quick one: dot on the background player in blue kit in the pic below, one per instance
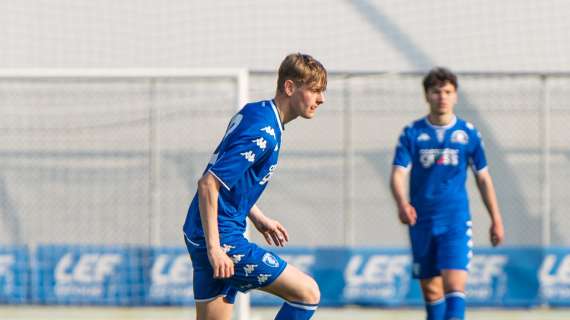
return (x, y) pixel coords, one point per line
(436, 151)
(224, 260)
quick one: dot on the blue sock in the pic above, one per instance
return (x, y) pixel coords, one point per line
(296, 311)
(436, 309)
(455, 306)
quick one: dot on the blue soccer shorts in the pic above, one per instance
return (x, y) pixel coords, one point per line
(435, 248)
(254, 267)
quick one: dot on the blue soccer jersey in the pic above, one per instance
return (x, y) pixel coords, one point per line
(438, 157)
(243, 162)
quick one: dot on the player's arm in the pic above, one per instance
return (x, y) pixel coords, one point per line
(406, 212)
(208, 192)
(487, 190)
(273, 232)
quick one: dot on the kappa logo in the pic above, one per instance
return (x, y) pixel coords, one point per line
(423, 137)
(269, 174)
(260, 142)
(249, 269)
(269, 130)
(459, 136)
(270, 260)
(262, 278)
(249, 156)
(227, 248)
(236, 258)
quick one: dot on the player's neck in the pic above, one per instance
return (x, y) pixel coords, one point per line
(284, 109)
(440, 119)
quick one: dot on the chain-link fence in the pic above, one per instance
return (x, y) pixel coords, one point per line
(78, 156)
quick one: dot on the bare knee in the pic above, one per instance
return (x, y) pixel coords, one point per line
(432, 289)
(311, 294)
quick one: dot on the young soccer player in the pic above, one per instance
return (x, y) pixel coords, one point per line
(224, 261)
(436, 151)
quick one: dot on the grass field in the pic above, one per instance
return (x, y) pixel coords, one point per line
(151, 313)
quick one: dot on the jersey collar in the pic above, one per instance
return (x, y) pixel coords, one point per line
(447, 126)
(281, 127)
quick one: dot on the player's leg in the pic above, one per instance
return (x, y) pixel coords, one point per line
(214, 309)
(432, 289)
(454, 255)
(454, 283)
(300, 292)
(214, 298)
(425, 269)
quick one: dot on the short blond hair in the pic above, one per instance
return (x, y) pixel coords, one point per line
(302, 69)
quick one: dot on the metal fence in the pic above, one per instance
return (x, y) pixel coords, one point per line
(78, 155)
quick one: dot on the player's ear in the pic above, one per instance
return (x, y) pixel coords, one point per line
(289, 87)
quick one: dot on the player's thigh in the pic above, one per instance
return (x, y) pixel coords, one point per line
(432, 288)
(294, 285)
(424, 252)
(215, 309)
(454, 280)
(455, 248)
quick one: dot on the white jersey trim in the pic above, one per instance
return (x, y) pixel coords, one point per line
(210, 299)
(456, 294)
(406, 168)
(447, 126)
(301, 306)
(274, 107)
(485, 168)
(191, 242)
(218, 178)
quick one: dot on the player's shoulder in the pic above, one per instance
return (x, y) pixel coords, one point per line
(414, 127)
(469, 127)
(259, 119)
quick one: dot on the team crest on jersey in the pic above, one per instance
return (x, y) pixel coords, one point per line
(423, 137)
(460, 136)
(270, 260)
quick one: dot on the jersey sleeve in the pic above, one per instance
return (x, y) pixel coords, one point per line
(240, 151)
(403, 153)
(478, 159)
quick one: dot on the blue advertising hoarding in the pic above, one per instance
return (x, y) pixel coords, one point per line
(88, 275)
(111, 275)
(170, 277)
(14, 274)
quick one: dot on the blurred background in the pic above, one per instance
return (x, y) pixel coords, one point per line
(110, 110)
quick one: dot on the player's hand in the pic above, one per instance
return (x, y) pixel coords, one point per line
(497, 233)
(221, 263)
(273, 232)
(407, 214)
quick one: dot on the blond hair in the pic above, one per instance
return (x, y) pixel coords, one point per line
(302, 69)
